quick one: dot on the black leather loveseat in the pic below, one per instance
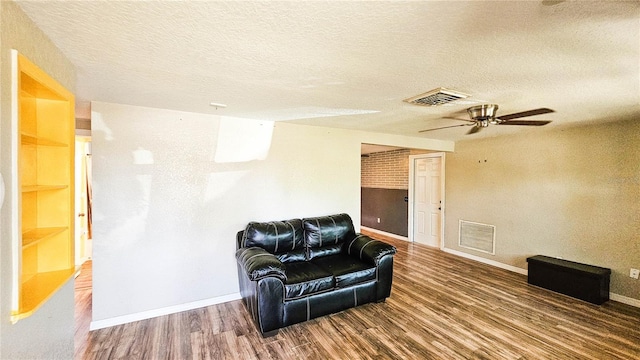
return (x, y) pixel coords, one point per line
(295, 270)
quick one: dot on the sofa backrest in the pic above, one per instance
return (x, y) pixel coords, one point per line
(282, 238)
(325, 235)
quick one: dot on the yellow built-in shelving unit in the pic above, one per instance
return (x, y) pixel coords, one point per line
(44, 240)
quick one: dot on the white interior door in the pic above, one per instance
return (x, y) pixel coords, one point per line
(427, 200)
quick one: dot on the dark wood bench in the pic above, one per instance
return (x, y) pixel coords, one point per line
(585, 282)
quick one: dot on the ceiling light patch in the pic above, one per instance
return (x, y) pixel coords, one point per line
(435, 97)
(232, 146)
(218, 105)
(308, 112)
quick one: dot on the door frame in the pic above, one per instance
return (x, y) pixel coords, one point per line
(412, 161)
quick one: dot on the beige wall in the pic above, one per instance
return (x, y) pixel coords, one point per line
(572, 193)
(166, 210)
(47, 334)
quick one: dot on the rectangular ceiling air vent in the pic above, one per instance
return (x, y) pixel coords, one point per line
(436, 97)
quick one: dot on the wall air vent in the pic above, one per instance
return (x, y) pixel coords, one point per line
(477, 236)
(436, 97)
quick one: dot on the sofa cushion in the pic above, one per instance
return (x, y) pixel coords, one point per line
(346, 269)
(324, 231)
(292, 256)
(305, 278)
(276, 237)
(328, 250)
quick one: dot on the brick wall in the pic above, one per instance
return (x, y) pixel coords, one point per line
(386, 170)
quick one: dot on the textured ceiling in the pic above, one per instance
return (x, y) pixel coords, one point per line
(350, 64)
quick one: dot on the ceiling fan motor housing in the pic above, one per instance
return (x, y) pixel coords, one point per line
(484, 113)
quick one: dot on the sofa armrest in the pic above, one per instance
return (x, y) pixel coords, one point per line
(258, 263)
(368, 249)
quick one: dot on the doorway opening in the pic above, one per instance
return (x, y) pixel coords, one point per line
(386, 189)
(83, 291)
(83, 199)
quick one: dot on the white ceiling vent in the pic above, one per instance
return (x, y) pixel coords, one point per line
(436, 97)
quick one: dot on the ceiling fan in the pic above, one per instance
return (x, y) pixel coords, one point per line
(483, 115)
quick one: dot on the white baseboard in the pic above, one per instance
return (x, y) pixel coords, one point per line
(384, 233)
(625, 300)
(119, 320)
(612, 296)
(487, 261)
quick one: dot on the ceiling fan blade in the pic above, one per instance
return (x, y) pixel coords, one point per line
(525, 114)
(453, 118)
(526, 122)
(474, 130)
(444, 127)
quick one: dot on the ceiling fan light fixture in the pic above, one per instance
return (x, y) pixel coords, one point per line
(483, 112)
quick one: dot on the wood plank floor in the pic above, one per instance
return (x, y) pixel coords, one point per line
(83, 283)
(441, 307)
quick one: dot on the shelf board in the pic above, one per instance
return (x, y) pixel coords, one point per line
(33, 236)
(31, 139)
(33, 188)
(38, 289)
